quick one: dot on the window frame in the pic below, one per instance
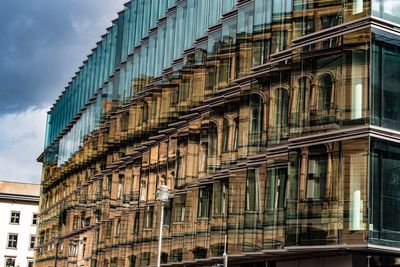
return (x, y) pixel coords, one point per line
(35, 220)
(18, 218)
(30, 242)
(8, 241)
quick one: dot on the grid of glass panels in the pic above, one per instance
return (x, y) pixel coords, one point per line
(139, 46)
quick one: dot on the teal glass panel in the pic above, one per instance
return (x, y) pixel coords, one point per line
(262, 31)
(125, 43)
(228, 5)
(245, 21)
(214, 11)
(170, 39)
(143, 63)
(162, 8)
(161, 40)
(384, 191)
(139, 21)
(171, 3)
(201, 18)
(386, 9)
(151, 54)
(154, 13)
(179, 31)
(281, 15)
(385, 78)
(189, 24)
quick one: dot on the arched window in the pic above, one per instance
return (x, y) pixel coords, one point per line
(225, 135)
(325, 92)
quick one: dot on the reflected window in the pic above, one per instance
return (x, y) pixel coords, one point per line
(167, 215)
(176, 255)
(145, 112)
(145, 258)
(235, 134)
(304, 94)
(225, 135)
(317, 172)
(203, 158)
(281, 106)
(325, 92)
(276, 188)
(132, 261)
(136, 220)
(385, 187)
(148, 217)
(220, 197)
(179, 209)
(212, 145)
(120, 186)
(252, 190)
(256, 114)
(204, 202)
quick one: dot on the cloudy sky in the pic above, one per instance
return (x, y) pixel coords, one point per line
(42, 44)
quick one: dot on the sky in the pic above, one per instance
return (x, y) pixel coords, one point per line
(42, 44)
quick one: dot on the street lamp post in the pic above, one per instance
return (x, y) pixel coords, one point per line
(162, 197)
(225, 255)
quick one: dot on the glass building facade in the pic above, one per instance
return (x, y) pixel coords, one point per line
(274, 124)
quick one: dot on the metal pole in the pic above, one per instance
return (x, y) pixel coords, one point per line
(225, 255)
(160, 234)
(56, 257)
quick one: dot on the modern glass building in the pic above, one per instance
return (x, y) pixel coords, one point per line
(275, 123)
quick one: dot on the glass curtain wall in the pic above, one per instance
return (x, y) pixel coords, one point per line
(384, 80)
(385, 185)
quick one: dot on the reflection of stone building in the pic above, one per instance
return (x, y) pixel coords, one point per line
(275, 123)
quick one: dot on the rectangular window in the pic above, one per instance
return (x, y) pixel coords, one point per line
(220, 192)
(118, 228)
(73, 248)
(109, 184)
(108, 229)
(30, 263)
(120, 185)
(167, 215)
(75, 222)
(35, 219)
(136, 221)
(148, 217)
(252, 190)
(384, 188)
(204, 202)
(179, 209)
(316, 178)
(15, 217)
(32, 241)
(276, 188)
(145, 259)
(10, 261)
(12, 241)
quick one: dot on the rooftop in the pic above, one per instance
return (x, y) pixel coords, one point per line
(19, 189)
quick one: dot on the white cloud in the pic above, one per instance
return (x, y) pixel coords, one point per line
(21, 142)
